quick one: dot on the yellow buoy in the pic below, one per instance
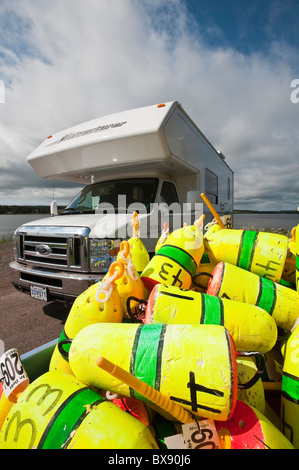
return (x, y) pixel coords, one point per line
(281, 302)
(289, 270)
(251, 327)
(290, 389)
(176, 261)
(57, 411)
(99, 303)
(145, 390)
(203, 357)
(260, 252)
(255, 394)
(211, 228)
(140, 256)
(129, 284)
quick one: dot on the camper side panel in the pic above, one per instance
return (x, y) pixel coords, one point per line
(187, 143)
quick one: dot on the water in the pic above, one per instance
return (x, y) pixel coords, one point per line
(258, 221)
(10, 222)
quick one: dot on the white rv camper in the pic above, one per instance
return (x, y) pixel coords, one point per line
(153, 159)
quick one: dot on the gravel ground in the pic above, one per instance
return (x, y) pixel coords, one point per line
(25, 323)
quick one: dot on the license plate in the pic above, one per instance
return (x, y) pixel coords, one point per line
(39, 293)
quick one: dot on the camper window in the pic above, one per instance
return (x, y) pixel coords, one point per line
(228, 189)
(211, 186)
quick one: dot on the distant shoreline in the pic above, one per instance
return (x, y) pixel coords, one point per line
(17, 210)
(248, 211)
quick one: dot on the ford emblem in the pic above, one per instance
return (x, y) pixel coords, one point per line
(43, 250)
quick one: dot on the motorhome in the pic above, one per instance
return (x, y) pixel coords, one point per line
(153, 160)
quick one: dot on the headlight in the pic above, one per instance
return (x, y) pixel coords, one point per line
(103, 251)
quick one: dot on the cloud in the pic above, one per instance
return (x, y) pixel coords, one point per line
(71, 61)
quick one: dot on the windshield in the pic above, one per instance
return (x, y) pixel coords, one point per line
(139, 190)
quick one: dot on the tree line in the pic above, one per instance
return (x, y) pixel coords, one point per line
(46, 210)
(26, 209)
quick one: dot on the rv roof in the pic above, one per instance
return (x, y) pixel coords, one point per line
(158, 138)
(111, 127)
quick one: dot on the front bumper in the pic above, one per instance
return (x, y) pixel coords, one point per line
(60, 285)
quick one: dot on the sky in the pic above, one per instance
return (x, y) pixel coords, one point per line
(233, 65)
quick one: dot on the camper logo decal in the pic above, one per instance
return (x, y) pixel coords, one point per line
(74, 135)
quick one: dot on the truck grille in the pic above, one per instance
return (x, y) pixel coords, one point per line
(60, 247)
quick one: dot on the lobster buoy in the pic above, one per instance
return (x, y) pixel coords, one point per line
(251, 328)
(140, 256)
(248, 428)
(289, 270)
(203, 357)
(129, 284)
(297, 256)
(211, 228)
(255, 394)
(99, 303)
(57, 411)
(281, 302)
(176, 261)
(260, 252)
(290, 389)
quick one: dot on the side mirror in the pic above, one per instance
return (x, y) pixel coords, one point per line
(53, 209)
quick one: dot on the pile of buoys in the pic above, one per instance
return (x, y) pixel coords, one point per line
(197, 347)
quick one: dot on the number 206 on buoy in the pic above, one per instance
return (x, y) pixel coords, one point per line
(12, 372)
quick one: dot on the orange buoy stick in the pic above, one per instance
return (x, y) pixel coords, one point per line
(145, 390)
(215, 214)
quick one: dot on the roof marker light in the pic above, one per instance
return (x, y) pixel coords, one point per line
(161, 105)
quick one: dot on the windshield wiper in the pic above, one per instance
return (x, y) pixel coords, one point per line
(71, 210)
